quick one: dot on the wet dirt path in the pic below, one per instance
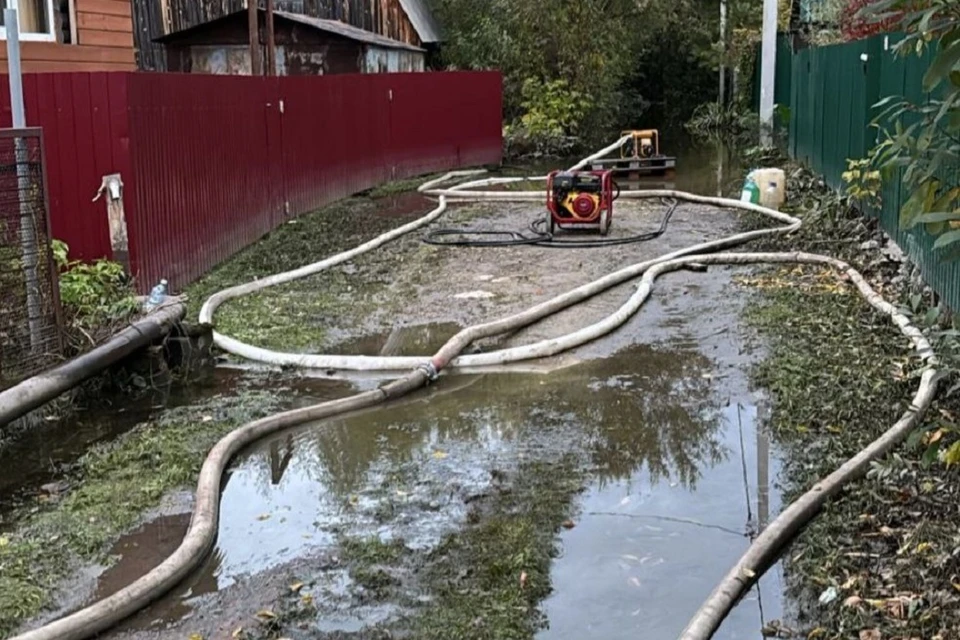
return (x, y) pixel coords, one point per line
(658, 419)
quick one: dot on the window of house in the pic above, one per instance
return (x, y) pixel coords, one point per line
(40, 19)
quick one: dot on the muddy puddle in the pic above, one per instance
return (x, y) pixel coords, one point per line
(35, 459)
(402, 205)
(406, 340)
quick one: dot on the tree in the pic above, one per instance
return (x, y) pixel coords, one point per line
(613, 60)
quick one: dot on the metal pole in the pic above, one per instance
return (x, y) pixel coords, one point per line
(13, 68)
(28, 231)
(768, 71)
(253, 18)
(271, 42)
(723, 52)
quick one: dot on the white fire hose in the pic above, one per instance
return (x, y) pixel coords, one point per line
(201, 535)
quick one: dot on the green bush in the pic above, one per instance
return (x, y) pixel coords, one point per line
(93, 295)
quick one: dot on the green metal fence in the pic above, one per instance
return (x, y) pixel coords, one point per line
(831, 97)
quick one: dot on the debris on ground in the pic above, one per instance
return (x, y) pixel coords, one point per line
(881, 560)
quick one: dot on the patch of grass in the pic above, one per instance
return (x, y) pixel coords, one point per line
(399, 186)
(370, 551)
(489, 580)
(297, 316)
(483, 582)
(116, 485)
(301, 241)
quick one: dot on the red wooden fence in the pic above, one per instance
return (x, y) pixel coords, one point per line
(212, 163)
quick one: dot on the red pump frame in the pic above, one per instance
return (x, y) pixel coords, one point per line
(601, 220)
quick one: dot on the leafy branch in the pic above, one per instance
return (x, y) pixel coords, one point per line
(923, 140)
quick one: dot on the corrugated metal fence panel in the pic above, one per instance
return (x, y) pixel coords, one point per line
(834, 91)
(201, 157)
(212, 163)
(85, 139)
(782, 78)
(220, 161)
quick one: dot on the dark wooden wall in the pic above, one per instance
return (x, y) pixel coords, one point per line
(155, 18)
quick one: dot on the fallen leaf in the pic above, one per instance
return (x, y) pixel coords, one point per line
(568, 524)
(439, 455)
(523, 579)
(237, 632)
(870, 634)
(196, 636)
(307, 600)
(924, 546)
(296, 586)
(4, 541)
(816, 633)
(853, 601)
(266, 614)
(849, 583)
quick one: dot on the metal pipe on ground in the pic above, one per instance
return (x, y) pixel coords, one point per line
(33, 393)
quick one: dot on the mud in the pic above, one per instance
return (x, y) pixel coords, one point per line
(670, 474)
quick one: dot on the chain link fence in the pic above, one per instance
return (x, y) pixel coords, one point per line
(30, 329)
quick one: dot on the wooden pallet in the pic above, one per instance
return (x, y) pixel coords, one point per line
(662, 165)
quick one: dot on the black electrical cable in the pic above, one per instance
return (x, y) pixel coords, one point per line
(542, 238)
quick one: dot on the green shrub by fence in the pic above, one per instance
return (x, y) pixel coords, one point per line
(830, 95)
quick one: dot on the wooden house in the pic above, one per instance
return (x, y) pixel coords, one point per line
(406, 21)
(73, 35)
(304, 46)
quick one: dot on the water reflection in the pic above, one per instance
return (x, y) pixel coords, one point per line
(643, 409)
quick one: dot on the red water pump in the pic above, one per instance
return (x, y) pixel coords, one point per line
(580, 200)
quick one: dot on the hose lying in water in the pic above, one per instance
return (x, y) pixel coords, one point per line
(201, 534)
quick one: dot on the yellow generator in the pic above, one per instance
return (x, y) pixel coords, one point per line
(640, 144)
(639, 155)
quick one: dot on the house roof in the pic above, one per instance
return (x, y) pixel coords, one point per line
(422, 20)
(327, 26)
(347, 31)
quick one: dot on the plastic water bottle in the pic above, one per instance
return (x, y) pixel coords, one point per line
(751, 191)
(157, 295)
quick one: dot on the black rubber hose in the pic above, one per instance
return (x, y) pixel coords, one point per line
(541, 238)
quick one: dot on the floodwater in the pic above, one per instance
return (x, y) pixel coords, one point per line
(660, 414)
(680, 476)
(43, 454)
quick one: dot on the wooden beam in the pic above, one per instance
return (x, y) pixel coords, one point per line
(72, 15)
(253, 19)
(97, 38)
(104, 22)
(69, 53)
(106, 7)
(271, 42)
